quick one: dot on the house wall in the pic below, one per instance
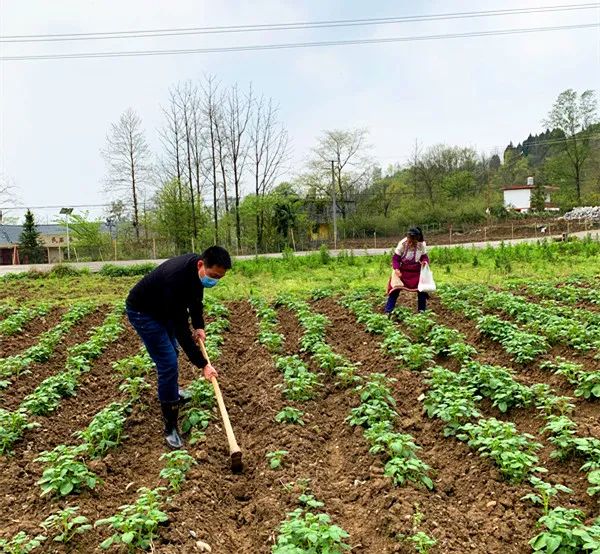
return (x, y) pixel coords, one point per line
(6, 255)
(54, 254)
(519, 199)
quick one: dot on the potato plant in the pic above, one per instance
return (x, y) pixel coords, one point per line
(65, 471)
(66, 524)
(105, 431)
(299, 383)
(267, 316)
(413, 354)
(13, 366)
(276, 457)
(513, 453)
(197, 414)
(177, 464)
(135, 526)
(544, 492)
(566, 532)
(290, 415)
(21, 543)
(376, 415)
(15, 322)
(576, 328)
(12, 427)
(307, 531)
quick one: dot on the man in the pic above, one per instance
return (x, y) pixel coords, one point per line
(160, 306)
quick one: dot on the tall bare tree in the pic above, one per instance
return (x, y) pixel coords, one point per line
(187, 101)
(236, 118)
(268, 153)
(211, 113)
(574, 115)
(352, 168)
(127, 156)
(171, 137)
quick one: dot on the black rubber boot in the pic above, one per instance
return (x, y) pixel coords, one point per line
(170, 411)
(422, 301)
(184, 396)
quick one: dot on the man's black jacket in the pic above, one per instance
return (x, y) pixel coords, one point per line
(171, 294)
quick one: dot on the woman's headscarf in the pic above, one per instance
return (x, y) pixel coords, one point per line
(416, 233)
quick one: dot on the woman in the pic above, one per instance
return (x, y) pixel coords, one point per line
(408, 259)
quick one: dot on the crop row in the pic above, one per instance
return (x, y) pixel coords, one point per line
(307, 528)
(523, 346)
(15, 322)
(376, 411)
(134, 526)
(576, 328)
(12, 366)
(453, 397)
(565, 293)
(48, 394)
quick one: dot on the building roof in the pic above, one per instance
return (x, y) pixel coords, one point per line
(528, 187)
(10, 234)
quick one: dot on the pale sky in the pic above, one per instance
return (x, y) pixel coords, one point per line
(481, 92)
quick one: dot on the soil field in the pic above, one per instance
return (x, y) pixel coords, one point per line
(471, 508)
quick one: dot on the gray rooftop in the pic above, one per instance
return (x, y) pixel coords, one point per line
(10, 234)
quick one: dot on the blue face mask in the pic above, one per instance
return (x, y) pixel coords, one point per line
(209, 282)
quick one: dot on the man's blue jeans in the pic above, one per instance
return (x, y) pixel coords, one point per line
(160, 343)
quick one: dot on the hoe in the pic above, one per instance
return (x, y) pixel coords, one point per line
(234, 450)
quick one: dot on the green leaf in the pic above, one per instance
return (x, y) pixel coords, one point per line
(105, 545)
(127, 538)
(66, 488)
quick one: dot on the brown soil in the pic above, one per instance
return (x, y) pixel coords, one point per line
(123, 470)
(10, 345)
(325, 450)
(528, 420)
(25, 383)
(471, 509)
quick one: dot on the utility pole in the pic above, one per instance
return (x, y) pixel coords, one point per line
(333, 205)
(67, 212)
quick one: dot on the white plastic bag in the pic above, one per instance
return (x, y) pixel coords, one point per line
(426, 282)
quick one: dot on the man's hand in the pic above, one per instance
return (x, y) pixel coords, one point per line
(210, 372)
(199, 334)
(398, 273)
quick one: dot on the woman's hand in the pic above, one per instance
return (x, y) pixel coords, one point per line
(423, 263)
(398, 273)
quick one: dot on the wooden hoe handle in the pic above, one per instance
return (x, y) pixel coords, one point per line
(233, 445)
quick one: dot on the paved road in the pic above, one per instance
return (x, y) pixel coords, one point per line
(96, 266)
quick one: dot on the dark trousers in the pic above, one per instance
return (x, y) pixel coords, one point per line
(393, 297)
(161, 345)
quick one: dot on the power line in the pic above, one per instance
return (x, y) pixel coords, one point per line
(292, 45)
(149, 33)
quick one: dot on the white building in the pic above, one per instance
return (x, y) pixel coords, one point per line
(518, 197)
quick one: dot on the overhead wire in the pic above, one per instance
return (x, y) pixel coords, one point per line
(281, 46)
(305, 25)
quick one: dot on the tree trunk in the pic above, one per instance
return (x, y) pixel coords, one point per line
(136, 221)
(214, 175)
(190, 176)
